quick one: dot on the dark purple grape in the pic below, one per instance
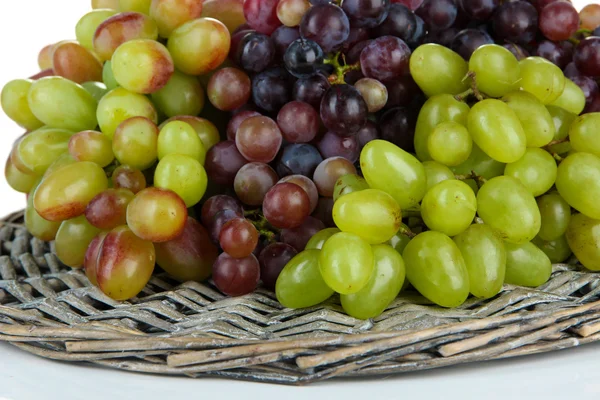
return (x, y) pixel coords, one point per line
(311, 90)
(480, 10)
(324, 211)
(351, 77)
(356, 35)
(256, 52)
(332, 145)
(443, 38)
(272, 89)
(587, 57)
(518, 51)
(219, 203)
(219, 220)
(366, 134)
(400, 22)
(223, 161)
(299, 237)
(396, 126)
(571, 70)
(469, 40)
(298, 159)
(326, 24)
(343, 110)
(236, 41)
(559, 53)
(367, 13)
(299, 122)
(236, 276)
(273, 259)
(419, 34)
(401, 91)
(594, 105)
(286, 205)
(438, 14)
(319, 2)
(516, 22)
(588, 86)
(282, 38)
(385, 58)
(353, 55)
(303, 57)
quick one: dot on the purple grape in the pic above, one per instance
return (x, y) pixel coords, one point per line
(324, 211)
(253, 181)
(443, 38)
(216, 225)
(256, 52)
(299, 237)
(303, 57)
(353, 55)
(356, 35)
(367, 13)
(516, 22)
(571, 70)
(587, 57)
(319, 2)
(385, 58)
(298, 159)
(326, 24)
(273, 259)
(559, 53)
(272, 89)
(282, 38)
(223, 161)
(588, 86)
(419, 34)
(311, 90)
(367, 133)
(480, 10)
(401, 91)
(343, 110)
(332, 145)
(299, 122)
(219, 203)
(518, 51)
(469, 40)
(400, 22)
(438, 14)
(397, 127)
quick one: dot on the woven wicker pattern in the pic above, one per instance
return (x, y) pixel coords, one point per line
(191, 329)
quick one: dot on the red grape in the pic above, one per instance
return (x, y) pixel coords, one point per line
(223, 161)
(559, 21)
(219, 203)
(253, 181)
(236, 121)
(108, 209)
(125, 177)
(228, 89)
(236, 276)
(329, 171)
(238, 238)
(299, 122)
(286, 205)
(308, 185)
(261, 15)
(258, 139)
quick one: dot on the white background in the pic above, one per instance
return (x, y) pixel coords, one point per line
(28, 25)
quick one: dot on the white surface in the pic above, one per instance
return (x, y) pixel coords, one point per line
(28, 25)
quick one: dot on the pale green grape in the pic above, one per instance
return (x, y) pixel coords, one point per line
(562, 122)
(583, 133)
(86, 27)
(556, 214)
(141, 6)
(182, 95)
(62, 161)
(39, 227)
(437, 109)
(480, 163)
(300, 283)
(108, 77)
(400, 239)
(387, 167)
(383, 287)
(436, 173)
(536, 170)
(72, 240)
(509, 208)
(578, 182)
(318, 240)
(435, 267)
(583, 236)
(348, 184)
(208, 132)
(526, 265)
(572, 98)
(96, 89)
(496, 70)
(557, 250)
(180, 138)
(542, 79)
(15, 105)
(496, 129)
(534, 117)
(135, 143)
(438, 70)
(346, 263)
(485, 258)
(449, 207)
(371, 214)
(39, 149)
(182, 174)
(19, 181)
(119, 105)
(450, 144)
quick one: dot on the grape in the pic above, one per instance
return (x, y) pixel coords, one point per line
(286, 205)
(45, 55)
(572, 98)
(86, 27)
(76, 63)
(299, 159)
(66, 192)
(385, 58)
(348, 184)
(558, 250)
(374, 92)
(135, 143)
(108, 77)
(557, 53)
(396, 172)
(253, 181)
(556, 215)
(90, 261)
(238, 238)
(588, 86)
(290, 12)
(236, 276)
(469, 40)
(182, 95)
(518, 51)
(258, 139)
(346, 263)
(299, 122)
(282, 38)
(418, 35)
(536, 170)
(303, 57)
(562, 120)
(17, 180)
(329, 171)
(177, 137)
(449, 207)
(411, 4)
(436, 173)
(357, 35)
(300, 284)
(438, 70)
(15, 105)
(436, 268)
(582, 237)
(72, 240)
(273, 259)
(271, 89)
(401, 92)
(119, 105)
(509, 209)
(324, 211)
(125, 264)
(450, 143)
(107, 210)
(236, 121)
(400, 22)
(326, 24)
(170, 14)
(91, 146)
(582, 134)
(578, 182)
(38, 226)
(125, 177)
(121, 28)
(480, 10)
(367, 13)
(481, 164)
(496, 70)
(542, 79)
(318, 240)
(255, 52)
(343, 110)
(199, 46)
(223, 161)
(219, 220)
(219, 203)
(298, 237)
(438, 14)
(141, 6)
(183, 175)
(229, 12)
(590, 16)
(261, 15)
(526, 265)
(332, 145)
(311, 90)
(308, 185)
(157, 215)
(515, 22)
(366, 134)
(229, 89)
(559, 21)
(400, 239)
(190, 256)
(534, 117)
(39, 149)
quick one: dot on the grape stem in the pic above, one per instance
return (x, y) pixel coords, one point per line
(464, 95)
(558, 158)
(341, 69)
(471, 75)
(404, 230)
(555, 142)
(479, 180)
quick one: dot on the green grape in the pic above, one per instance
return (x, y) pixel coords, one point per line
(91, 146)
(583, 236)
(318, 240)
(526, 265)
(184, 175)
(383, 286)
(141, 6)
(119, 105)
(542, 79)
(437, 109)
(449, 207)
(572, 98)
(96, 89)
(437, 173)
(480, 163)
(450, 144)
(19, 181)
(39, 227)
(435, 267)
(122, 28)
(370, 214)
(509, 208)
(61, 103)
(400, 239)
(557, 250)
(182, 95)
(346, 263)
(108, 77)
(438, 70)
(39, 149)
(583, 133)
(496, 70)
(485, 258)
(578, 182)
(562, 123)
(556, 214)
(72, 240)
(348, 184)
(169, 14)
(536, 170)
(387, 167)
(180, 138)
(87, 25)
(534, 117)
(135, 143)
(496, 129)
(142, 65)
(66, 192)
(300, 284)
(208, 132)
(62, 160)
(15, 105)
